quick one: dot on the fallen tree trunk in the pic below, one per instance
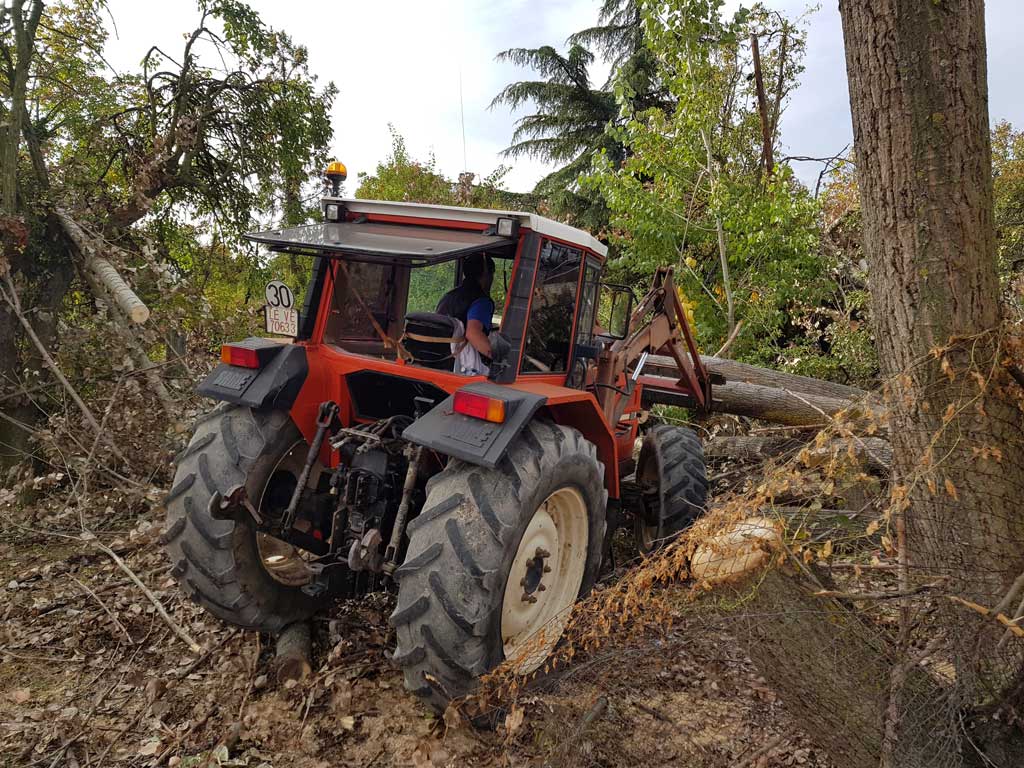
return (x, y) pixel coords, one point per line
(801, 637)
(795, 409)
(659, 365)
(750, 447)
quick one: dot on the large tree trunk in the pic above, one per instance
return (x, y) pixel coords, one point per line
(919, 101)
(24, 23)
(918, 93)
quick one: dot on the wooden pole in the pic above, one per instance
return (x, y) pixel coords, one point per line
(767, 154)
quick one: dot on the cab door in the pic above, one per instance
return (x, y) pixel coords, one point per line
(587, 346)
(552, 312)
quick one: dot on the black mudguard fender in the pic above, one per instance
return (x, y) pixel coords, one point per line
(471, 439)
(272, 386)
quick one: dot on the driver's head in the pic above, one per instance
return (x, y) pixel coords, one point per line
(479, 268)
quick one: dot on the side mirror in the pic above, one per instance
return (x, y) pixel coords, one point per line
(614, 309)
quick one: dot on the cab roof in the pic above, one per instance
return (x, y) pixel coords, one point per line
(537, 223)
(382, 242)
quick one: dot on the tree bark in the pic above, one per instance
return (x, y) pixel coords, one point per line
(874, 453)
(831, 669)
(780, 83)
(918, 93)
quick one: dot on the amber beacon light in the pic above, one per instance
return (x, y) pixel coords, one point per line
(336, 173)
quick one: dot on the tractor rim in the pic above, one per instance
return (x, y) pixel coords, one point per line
(646, 534)
(283, 562)
(545, 579)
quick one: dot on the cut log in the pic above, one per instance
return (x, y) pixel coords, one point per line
(292, 656)
(129, 304)
(659, 365)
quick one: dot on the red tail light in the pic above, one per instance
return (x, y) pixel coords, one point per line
(240, 356)
(480, 406)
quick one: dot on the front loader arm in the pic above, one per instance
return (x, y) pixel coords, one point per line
(665, 332)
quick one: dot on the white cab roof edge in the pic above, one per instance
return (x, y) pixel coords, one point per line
(538, 224)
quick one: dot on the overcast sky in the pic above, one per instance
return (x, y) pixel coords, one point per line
(400, 62)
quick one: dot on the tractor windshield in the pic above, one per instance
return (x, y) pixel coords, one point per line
(378, 272)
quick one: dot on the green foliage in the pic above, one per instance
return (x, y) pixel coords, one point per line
(572, 120)
(1008, 190)
(401, 177)
(698, 163)
(171, 164)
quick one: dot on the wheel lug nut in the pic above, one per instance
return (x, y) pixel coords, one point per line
(547, 569)
(529, 599)
(541, 587)
(542, 553)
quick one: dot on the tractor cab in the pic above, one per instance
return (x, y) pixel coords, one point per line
(382, 268)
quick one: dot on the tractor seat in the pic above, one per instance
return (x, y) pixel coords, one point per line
(428, 338)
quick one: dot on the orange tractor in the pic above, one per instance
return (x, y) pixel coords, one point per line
(363, 454)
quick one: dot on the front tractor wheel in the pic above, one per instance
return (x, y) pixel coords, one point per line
(496, 560)
(235, 572)
(673, 484)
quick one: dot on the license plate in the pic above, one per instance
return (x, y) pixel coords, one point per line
(282, 321)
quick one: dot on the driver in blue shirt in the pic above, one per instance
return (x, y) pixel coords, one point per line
(471, 301)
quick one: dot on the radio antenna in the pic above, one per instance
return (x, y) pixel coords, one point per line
(462, 117)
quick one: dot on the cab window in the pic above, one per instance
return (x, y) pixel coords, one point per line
(549, 328)
(348, 319)
(428, 284)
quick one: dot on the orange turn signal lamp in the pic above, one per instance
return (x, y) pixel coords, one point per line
(479, 406)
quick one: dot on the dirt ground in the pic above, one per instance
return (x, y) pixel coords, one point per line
(91, 674)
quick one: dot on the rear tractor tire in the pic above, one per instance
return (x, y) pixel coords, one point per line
(496, 560)
(673, 485)
(225, 565)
